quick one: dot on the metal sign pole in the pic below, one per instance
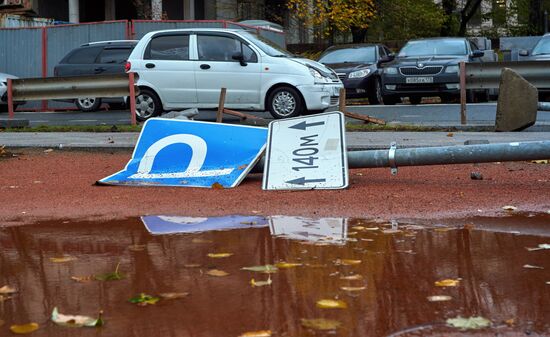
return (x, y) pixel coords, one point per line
(10, 98)
(132, 98)
(462, 68)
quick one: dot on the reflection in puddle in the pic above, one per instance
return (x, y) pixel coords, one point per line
(377, 276)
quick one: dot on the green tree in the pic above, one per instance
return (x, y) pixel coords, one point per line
(351, 16)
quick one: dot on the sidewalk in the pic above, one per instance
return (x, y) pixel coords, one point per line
(355, 140)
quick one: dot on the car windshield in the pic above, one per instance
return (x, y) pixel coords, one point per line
(434, 47)
(267, 46)
(542, 47)
(350, 55)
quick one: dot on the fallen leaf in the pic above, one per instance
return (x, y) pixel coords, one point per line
(442, 229)
(447, 283)
(137, 248)
(450, 134)
(76, 320)
(267, 269)
(261, 333)
(219, 255)
(48, 150)
(530, 266)
(371, 228)
(217, 186)
(540, 246)
(331, 304)
(217, 272)
(352, 233)
(62, 259)
(347, 262)
(469, 323)
(510, 322)
(255, 283)
(320, 324)
(24, 328)
(352, 277)
(439, 298)
(509, 208)
(192, 265)
(114, 276)
(144, 299)
(7, 290)
(541, 161)
(548, 282)
(197, 240)
(287, 265)
(352, 289)
(82, 279)
(358, 228)
(4, 298)
(173, 296)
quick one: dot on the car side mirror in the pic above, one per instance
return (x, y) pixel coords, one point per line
(387, 58)
(478, 53)
(239, 57)
(523, 52)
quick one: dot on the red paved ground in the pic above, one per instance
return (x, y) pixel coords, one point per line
(39, 185)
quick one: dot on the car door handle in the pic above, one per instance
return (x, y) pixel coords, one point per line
(149, 65)
(205, 66)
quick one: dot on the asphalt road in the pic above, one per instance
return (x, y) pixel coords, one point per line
(447, 115)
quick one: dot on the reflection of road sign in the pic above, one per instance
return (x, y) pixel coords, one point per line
(329, 230)
(195, 154)
(306, 153)
(162, 224)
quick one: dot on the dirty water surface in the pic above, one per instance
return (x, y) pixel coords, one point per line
(278, 276)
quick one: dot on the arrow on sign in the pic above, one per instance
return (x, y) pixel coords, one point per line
(303, 180)
(304, 125)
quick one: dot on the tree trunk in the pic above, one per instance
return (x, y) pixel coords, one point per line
(466, 14)
(535, 17)
(358, 34)
(449, 7)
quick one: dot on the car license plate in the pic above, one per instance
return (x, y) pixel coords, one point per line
(419, 80)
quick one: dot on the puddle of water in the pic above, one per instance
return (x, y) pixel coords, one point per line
(383, 272)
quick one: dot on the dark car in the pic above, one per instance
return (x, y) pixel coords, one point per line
(540, 52)
(106, 57)
(429, 67)
(358, 67)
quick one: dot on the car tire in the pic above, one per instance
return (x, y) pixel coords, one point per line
(390, 100)
(284, 102)
(87, 104)
(375, 94)
(147, 105)
(482, 97)
(415, 100)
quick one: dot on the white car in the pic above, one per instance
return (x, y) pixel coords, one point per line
(4, 92)
(186, 68)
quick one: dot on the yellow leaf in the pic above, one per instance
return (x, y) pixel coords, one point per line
(173, 296)
(352, 289)
(358, 228)
(371, 228)
(331, 304)
(216, 272)
(348, 262)
(542, 161)
(509, 208)
(192, 265)
(320, 324)
(286, 265)
(261, 333)
(24, 328)
(391, 231)
(62, 259)
(447, 283)
(219, 255)
(439, 298)
(217, 186)
(352, 277)
(7, 290)
(255, 283)
(82, 279)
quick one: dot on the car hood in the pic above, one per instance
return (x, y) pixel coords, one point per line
(423, 61)
(347, 67)
(4, 77)
(312, 63)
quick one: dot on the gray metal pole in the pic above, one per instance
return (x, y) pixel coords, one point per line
(444, 155)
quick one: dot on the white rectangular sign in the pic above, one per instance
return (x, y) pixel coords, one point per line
(325, 230)
(306, 153)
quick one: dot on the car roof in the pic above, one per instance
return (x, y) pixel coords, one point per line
(112, 42)
(233, 30)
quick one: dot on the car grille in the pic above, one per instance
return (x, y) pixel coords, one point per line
(334, 100)
(342, 76)
(415, 71)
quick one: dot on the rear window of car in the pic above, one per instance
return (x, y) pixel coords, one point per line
(168, 47)
(85, 55)
(114, 55)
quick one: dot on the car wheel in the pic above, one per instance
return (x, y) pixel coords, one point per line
(284, 102)
(390, 100)
(147, 105)
(375, 94)
(87, 104)
(415, 99)
(482, 97)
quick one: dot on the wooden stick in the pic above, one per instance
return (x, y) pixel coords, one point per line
(342, 100)
(365, 118)
(462, 67)
(219, 114)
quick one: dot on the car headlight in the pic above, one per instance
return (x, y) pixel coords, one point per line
(359, 73)
(317, 75)
(451, 69)
(390, 71)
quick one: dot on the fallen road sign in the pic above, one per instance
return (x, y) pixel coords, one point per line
(306, 153)
(323, 230)
(165, 224)
(192, 154)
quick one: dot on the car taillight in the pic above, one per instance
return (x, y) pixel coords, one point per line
(127, 66)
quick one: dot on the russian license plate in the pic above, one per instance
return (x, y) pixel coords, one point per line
(419, 80)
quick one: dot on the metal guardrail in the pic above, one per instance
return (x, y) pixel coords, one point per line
(487, 75)
(119, 85)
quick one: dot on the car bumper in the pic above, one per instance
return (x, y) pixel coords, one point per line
(357, 87)
(320, 96)
(443, 84)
